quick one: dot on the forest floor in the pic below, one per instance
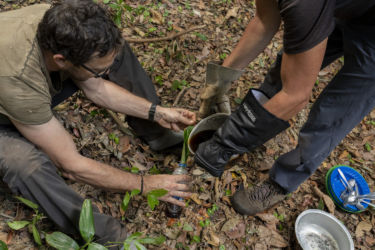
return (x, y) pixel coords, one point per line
(177, 68)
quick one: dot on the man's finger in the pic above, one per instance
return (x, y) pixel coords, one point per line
(182, 178)
(172, 200)
(180, 194)
(183, 187)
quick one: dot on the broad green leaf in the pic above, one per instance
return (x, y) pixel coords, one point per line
(152, 201)
(36, 235)
(155, 241)
(3, 246)
(86, 221)
(222, 247)
(27, 202)
(106, 1)
(17, 225)
(158, 192)
(96, 246)
(125, 202)
(135, 192)
(139, 246)
(61, 241)
(187, 228)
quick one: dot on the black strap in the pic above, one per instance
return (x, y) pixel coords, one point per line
(151, 112)
(141, 185)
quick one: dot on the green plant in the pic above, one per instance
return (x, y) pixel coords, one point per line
(3, 246)
(204, 223)
(152, 197)
(132, 169)
(114, 138)
(179, 84)
(279, 217)
(136, 240)
(201, 36)
(368, 146)
(212, 210)
(60, 240)
(119, 7)
(154, 170)
(127, 197)
(17, 225)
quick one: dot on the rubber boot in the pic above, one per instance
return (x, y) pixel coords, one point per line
(218, 81)
(257, 199)
(248, 127)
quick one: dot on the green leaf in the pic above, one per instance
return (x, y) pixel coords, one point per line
(238, 100)
(106, 1)
(139, 246)
(158, 192)
(155, 241)
(61, 241)
(134, 170)
(135, 192)
(154, 170)
(17, 225)
(222, 247)
(86, 221)
(187, 228)
(368, 147)
(3, 246)
(321, 204)
(96, 246)
(125, 202)
(28, 203)
(196, 239)
(36, 235)
(152, 201)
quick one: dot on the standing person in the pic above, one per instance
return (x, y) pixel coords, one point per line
(315, 34)
(47, 52)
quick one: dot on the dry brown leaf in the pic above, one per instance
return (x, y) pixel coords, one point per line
(214, 239)
(234, 228)
(232, 12)
(327, 200)
(362, 227)
(272, 237)
(195, 198)
(269, 219)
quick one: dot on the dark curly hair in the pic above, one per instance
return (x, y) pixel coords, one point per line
(77, 29)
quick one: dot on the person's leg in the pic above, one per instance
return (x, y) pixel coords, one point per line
(30, 173)
(341, 106)
(128, 73)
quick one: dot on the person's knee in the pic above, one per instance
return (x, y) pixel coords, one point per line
(21, 160)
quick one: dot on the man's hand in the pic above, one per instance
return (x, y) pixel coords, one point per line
(176, 185)
(174, 118)
(213, 96)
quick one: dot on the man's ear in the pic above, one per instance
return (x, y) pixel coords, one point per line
(60, 61)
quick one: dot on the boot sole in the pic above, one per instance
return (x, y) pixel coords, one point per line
(202, 163)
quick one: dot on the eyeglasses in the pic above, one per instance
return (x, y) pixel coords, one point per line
(97, 75)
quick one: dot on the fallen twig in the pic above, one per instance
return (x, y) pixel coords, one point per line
(158, 39)
(120, 124)
(179, 97)
(7, 216)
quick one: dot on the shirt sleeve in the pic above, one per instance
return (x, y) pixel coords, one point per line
(306, 23)
(23, 103)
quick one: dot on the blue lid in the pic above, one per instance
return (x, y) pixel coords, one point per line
(336, 186)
